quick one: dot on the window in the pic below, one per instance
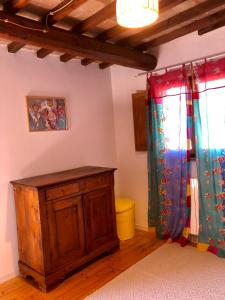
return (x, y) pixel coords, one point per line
(212, 110)
(175, 112)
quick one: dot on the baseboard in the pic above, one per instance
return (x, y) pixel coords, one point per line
(140, 227)
(8, 277)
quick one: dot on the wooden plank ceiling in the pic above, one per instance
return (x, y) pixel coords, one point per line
(87, 29)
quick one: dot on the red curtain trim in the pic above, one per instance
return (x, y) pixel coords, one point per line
(213, 250)
(210, 70)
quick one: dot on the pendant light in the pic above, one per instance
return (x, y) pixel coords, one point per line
(136, 13)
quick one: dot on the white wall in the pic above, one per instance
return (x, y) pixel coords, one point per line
(132, 166)
(89, 140)
(132, 171)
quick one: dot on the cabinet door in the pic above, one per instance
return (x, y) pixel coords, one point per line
(99, 218)
(66, 230)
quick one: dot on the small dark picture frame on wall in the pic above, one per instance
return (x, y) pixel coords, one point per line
(46, 113)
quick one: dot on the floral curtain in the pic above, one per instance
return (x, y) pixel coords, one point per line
(168, 155)
(209, 112)
(170, 136)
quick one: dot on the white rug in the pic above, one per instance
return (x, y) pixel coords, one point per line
(171, 272)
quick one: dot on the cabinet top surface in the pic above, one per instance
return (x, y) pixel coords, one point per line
(63, 176)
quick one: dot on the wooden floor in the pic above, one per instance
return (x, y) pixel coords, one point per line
(92, 277)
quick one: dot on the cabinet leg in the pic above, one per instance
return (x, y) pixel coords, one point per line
(36, 279)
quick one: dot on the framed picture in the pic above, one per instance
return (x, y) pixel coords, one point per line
(46, 113)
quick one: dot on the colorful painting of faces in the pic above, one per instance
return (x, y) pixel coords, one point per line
(46, 113)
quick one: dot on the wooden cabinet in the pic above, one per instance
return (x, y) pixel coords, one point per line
(64, 220)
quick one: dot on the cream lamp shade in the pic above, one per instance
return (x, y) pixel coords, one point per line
(136, 13)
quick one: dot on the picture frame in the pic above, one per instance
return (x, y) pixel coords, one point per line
(46, 113)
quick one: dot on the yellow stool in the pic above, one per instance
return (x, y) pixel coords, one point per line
(125, 218)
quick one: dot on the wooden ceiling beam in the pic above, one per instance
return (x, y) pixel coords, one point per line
(113, 32)
(63, 9)
(100, 16)
(86, 61)
(41, 53)
(66, 57)
(196, 25)
(212, 27)
(13, 6)
(165, 5)
(103, 66)
(15, 28)
(14, 47)
(194, 13)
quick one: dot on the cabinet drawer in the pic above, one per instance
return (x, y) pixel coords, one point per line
(63, 190)
(97, 182)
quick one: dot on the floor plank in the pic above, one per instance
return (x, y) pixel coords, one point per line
(90, 278)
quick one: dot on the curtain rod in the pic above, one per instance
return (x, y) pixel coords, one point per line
(180, 64)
